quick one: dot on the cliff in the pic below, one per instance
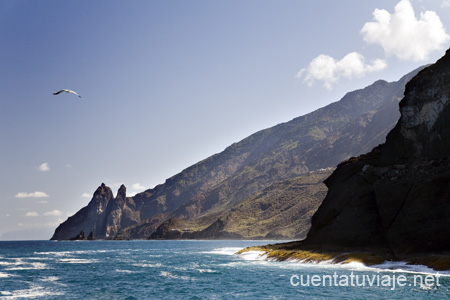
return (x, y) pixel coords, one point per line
(101, 218)
(204, 191)
(395, 200)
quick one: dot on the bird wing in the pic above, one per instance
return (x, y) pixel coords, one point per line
(58, 92)
(73, 92)
(67, 91)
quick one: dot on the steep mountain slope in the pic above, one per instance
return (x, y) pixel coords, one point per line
(395, 200)
(281, 211)
(321, 139)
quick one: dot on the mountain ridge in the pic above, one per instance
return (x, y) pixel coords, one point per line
(317, 140)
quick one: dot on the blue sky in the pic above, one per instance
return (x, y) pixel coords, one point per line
(165, 84)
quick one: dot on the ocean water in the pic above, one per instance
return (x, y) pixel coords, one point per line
(196, 270)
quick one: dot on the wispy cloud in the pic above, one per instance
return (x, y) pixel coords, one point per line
(329, 70)
(445, 3)
(86, 195)
(403, 35)
(31, 195)
(44, 167)
(32, 214)
(55, 213)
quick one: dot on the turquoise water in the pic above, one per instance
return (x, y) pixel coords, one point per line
(193, 270)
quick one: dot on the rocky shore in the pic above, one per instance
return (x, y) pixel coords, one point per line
(392, 203)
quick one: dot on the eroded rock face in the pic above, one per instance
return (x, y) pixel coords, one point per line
(423, 131)
(102, 217)
(396, 199)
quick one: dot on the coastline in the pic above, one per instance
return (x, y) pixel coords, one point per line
(276, 252)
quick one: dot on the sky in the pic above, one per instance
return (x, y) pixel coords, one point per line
(165, 84)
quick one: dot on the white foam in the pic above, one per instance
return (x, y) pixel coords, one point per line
(34, 292)
(170, 275)
(71, 253)
(77, 260)
(5, 263)
(126, 271)
(224, 251)
(29, 266)
(58, 254)
(157, 265)
(388, 266)
(254, 255)
(6, 275)
(50, 279)
(206, 271)
(404, 267)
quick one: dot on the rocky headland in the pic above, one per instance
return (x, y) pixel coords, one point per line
(392, 203)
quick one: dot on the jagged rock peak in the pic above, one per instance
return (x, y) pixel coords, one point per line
(122, 192)
(102, 189)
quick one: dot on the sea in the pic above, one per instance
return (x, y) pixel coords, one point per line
(197, 269)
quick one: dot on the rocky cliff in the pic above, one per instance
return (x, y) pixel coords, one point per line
(202, 192)
(395, 200)
(102, 218)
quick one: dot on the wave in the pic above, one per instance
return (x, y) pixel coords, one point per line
(170, 275)
(126, 271)
(71, 253)
(50, 279)
(404, 267)
(33, 292)
(6, 275)
(77, 260)
(28, 266)
(224, 251)
(387, 266)
(254, 255)
(157, 265)
(206, 271)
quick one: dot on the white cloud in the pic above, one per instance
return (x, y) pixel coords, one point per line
(445, 3)
(86, 195)
(31, 195)
(138, 187)
(329, 70)
(31, 214)
(54, 212)
(403, 35)
(44, 167)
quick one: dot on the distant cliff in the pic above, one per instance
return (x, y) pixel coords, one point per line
(204, 191)
(395, 200)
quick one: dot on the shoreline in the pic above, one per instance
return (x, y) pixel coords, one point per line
(436, 261)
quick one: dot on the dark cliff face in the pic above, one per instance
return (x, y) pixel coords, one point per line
(89, 219)
(321, 139)
(396, 199)
(102, 218)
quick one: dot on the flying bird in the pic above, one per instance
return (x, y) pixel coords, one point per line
(67, 91)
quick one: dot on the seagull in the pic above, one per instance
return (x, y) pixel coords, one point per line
(67, 91)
